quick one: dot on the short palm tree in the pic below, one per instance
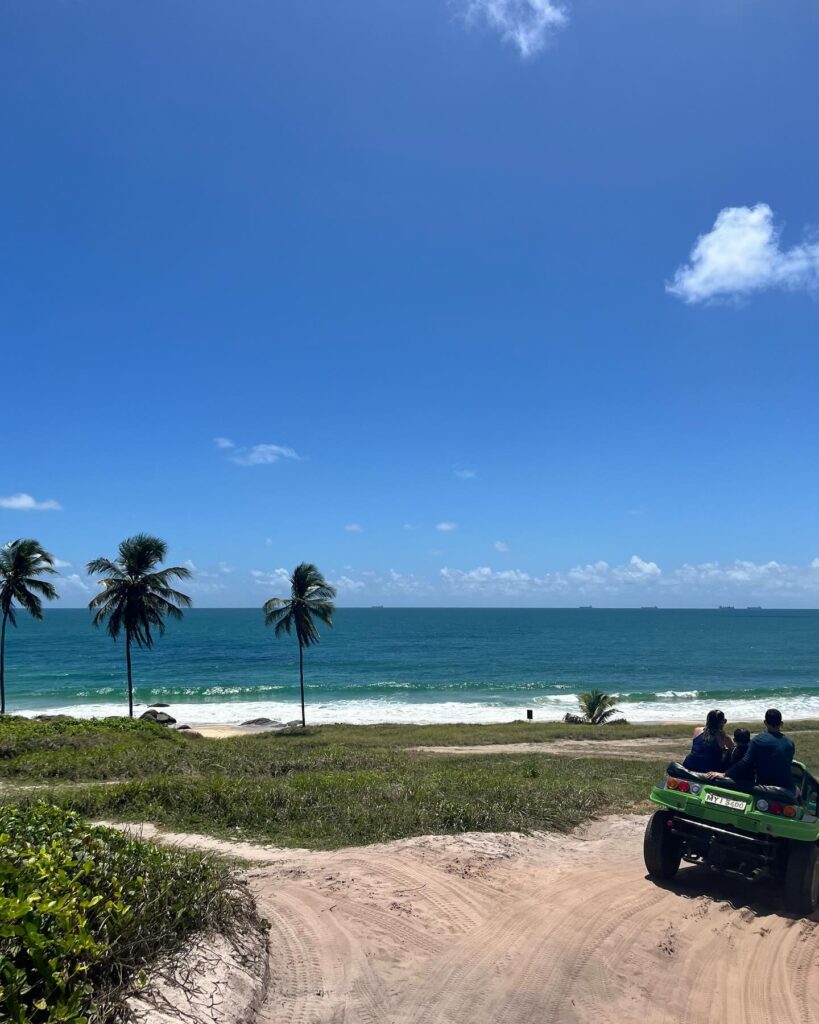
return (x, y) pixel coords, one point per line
(311, 598)
(597, 707)
(22, 562)
(137, 596)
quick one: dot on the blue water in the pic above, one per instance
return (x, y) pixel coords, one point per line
(429, 664)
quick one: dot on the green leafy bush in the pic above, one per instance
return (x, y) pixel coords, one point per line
(85, 911)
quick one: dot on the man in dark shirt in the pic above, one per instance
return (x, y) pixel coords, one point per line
(769, 757)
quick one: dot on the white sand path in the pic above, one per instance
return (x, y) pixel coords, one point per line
(510, 929)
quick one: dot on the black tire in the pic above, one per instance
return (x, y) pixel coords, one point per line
(662, 851)
(802, 878)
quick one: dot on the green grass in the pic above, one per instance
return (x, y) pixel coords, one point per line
(332, 786)
(85, 911)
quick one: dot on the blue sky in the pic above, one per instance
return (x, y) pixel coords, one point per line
(543, 274)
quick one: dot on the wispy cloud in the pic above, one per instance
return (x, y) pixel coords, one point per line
(354, 528)
(25, 503)
(502, 546)
(223, 442)
(60, 564)
(465, 474)
(278, 578)
(409, 526)
(742, 254)
(74, 582)
(347, 585)
(527, 24)
(446, 527)
(262, 455)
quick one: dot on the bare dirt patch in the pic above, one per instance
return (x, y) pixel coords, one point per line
(649, 749)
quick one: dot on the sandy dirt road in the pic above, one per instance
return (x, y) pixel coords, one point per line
(527, 930)
(631, 750)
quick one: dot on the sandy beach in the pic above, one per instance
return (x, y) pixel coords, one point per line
(521, 930)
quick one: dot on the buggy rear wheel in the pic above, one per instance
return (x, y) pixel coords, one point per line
(802, 877)
(662, 851)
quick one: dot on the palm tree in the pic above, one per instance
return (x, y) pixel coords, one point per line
(310, 596)
(597, 707)
(21, 563)
(137, 596)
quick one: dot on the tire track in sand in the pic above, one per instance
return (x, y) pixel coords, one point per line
(551, 930)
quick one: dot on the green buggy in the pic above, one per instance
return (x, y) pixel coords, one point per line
(755, 831)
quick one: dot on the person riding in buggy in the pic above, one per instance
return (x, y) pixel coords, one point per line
(757, 819)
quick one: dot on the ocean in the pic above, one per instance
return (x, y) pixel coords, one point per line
(428, 665)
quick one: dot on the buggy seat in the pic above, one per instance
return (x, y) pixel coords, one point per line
(676, 771)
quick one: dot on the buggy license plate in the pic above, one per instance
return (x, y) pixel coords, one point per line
(725, 801)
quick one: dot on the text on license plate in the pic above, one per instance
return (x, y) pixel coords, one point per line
(724, 801)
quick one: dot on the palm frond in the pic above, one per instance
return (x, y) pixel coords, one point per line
(22, 563)
(136, 596)
(597, 706)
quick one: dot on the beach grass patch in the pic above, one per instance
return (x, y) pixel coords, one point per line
(86, 912)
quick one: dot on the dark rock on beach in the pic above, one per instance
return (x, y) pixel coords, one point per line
(262, 721)
(159, 705)
(157, 716)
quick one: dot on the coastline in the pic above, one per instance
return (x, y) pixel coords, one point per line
(209, 718)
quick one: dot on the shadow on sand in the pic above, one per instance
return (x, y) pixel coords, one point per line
(762, 898)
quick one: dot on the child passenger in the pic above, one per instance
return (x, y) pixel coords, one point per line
(742, 738)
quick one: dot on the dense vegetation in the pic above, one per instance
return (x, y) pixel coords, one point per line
(85, 911)
(334, 785)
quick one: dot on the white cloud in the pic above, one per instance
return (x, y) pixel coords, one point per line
(346, 585)
(200, 586)
(223, 442)
(25, 503)
(505, 581)
(224, 568)
(354, 528)
(742, 254)
(74, 582)
(278, 578)
(815, 563)
(528, 24)
(465, 474)
(405, 584)
(263, 455)
(60, 564)
(268, 542)
(502, 546)
(446, 527)
(408, 526)
(189, 565)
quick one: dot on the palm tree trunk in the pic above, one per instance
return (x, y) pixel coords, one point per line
(130, 678)
(301, 680)
(3, 665)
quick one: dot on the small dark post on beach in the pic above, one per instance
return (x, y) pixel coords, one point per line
(529, 714)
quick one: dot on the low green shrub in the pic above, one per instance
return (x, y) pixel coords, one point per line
(85, 911)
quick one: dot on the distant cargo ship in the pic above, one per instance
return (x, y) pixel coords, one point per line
(726, 607)
(648, 607)
(754, 608)
(584, 607)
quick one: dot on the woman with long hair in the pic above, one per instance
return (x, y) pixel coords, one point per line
(711, 745)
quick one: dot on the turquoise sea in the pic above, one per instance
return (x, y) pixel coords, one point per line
(423, 665)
